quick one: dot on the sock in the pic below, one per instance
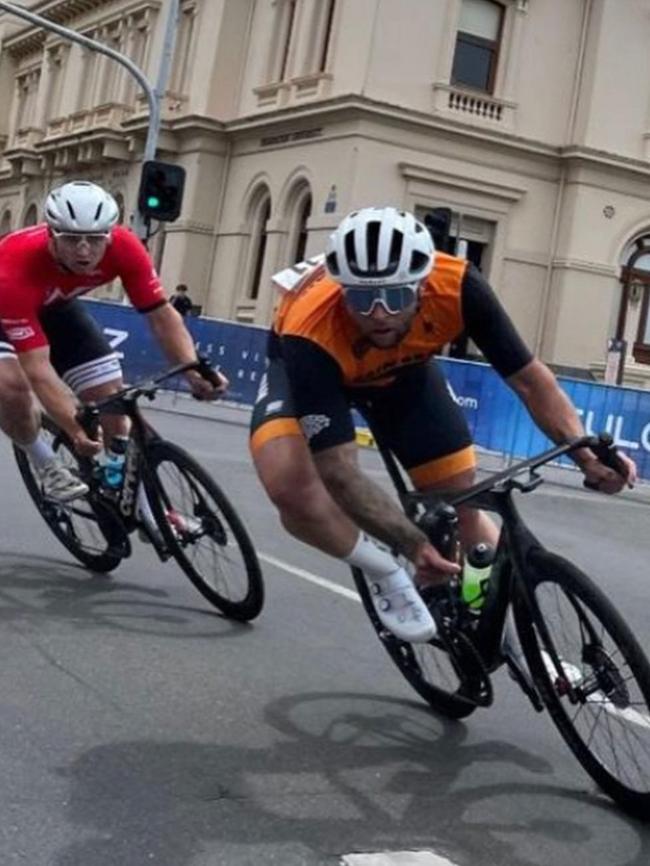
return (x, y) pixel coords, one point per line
(370, 558)
(39, 452)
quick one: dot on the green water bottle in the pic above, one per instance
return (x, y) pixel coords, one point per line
(476, 574)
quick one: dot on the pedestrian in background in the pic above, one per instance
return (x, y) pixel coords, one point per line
(180, 300)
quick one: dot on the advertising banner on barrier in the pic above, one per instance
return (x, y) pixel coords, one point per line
(497, 418)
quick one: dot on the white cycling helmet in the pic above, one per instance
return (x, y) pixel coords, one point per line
(379, 247)
(81, 206)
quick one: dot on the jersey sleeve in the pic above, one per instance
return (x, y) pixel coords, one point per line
(19, 310)
(316, 384)
(139, 277)
(490, 327)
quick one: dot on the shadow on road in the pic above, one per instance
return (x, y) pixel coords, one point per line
(34, 588)
(348, 772)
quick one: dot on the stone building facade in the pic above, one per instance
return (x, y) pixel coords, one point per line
(528, 119)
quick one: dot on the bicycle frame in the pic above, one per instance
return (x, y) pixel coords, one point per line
(141, 436)
(516, 541)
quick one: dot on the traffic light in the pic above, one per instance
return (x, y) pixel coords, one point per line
(438, 221)
(161, 190)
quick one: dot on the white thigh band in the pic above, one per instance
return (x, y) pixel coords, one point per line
(93, 373)
(7, 350)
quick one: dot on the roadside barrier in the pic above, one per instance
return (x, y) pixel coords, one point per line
(497, 419)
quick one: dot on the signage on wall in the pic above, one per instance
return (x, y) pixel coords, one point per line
(284, 138)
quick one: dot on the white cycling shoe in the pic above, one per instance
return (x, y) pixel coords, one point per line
(59, 483)
(400, 607)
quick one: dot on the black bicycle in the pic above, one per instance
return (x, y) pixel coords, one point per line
(193, 520)
(580, 659)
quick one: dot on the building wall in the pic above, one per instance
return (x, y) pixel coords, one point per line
(550, 171)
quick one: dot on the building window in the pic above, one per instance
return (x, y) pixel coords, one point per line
(477, 44)
(89, 64)
(26, 94)
(184, 51)
(636, 292)
(31, 216)
(138, 45)
(5, 223)
(299, 234)
(55, 61)
(119, 201)
(111, 76)
(321, 35)
(281, 38)
(258, 240)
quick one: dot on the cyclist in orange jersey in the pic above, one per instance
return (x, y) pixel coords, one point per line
(361, 330)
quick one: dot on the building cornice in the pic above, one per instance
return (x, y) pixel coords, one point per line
(577, 155)
(30, 38)
(506, 192)
(351, 107)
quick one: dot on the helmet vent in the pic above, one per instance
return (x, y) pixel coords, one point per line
(372, 246)
(99, 210)
(73, 215)
(396, 245)
(333, 264)
(419, 260)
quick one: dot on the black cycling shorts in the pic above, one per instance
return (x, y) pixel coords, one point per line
(415, 416)
(79, 351)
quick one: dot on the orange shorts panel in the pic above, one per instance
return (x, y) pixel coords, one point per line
(441, 468)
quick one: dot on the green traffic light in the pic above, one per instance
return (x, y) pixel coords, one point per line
(153, 201)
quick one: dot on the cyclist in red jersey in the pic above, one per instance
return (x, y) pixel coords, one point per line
(49, 343)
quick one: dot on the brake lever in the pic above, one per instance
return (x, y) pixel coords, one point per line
(605, 450)
(88, 418)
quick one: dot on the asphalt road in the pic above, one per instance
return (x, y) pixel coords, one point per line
(138, 727)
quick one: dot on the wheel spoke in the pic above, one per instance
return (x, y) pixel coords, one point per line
(208, 540)
(599, 689)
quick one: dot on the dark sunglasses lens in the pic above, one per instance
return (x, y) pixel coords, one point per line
(398, 297)
(361, 300)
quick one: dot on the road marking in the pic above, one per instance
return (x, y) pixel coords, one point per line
(396, 858)
(311, 578)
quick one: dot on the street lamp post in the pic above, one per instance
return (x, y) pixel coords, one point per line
(154, 94)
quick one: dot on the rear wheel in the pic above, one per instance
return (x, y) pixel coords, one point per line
(592, 675)
(88, 527)
(204, 533)
(426, 667)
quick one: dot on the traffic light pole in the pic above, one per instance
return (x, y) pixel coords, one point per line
(154, 94)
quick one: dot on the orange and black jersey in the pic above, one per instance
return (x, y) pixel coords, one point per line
(329, 364)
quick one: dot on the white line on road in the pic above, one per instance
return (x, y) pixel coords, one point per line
(311, 578)
(396, 858)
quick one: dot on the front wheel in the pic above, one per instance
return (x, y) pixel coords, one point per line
(203, 532)
(88, 527)
(593, 676)
(425, 666)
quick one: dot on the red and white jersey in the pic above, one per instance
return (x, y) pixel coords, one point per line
(31, 279)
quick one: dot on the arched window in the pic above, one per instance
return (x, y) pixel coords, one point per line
(31, 216)
(260, 215)
(119, 200)
(5, 223)
(298, 233)
(477, 44)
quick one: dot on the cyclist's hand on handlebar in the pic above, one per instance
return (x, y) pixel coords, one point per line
(602, 478)
(84, 445)
(431, 567)
(204, 388)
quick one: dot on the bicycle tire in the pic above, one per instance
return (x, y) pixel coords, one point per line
(220, 524)
(410, 661)
(61, 517)
(608, 683)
